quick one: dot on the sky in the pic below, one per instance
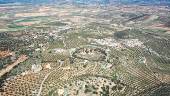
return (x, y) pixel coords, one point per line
(89, 1)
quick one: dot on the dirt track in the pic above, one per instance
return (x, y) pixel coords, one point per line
(21, 58)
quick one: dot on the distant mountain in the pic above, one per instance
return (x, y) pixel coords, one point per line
(91, 1)
(6, 1)
(28, 1)
(144, 1)
(167, 2)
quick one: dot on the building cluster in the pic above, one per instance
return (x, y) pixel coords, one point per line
(108, 42)
(132, 43)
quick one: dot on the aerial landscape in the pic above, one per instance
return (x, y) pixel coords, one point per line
(84, 48)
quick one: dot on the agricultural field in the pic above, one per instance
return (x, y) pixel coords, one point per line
(85, 50)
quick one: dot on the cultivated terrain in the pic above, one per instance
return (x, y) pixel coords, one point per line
(84, 50)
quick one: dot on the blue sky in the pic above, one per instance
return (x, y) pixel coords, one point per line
(87, 1)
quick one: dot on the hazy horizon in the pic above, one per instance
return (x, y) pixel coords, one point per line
(166, 2)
